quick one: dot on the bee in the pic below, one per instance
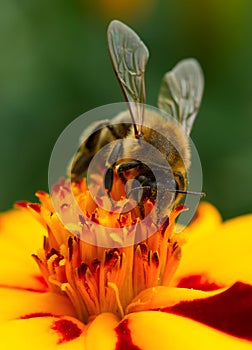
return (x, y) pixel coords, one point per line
(167, 132)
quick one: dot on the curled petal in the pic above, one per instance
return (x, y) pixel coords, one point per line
(163, 297)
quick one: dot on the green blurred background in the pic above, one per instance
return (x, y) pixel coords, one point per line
(54, 66)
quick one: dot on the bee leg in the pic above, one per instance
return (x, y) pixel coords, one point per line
(128, 166)
(110, 164)
(121, 171)
(147, 189)
(140, 206)
(141, 209)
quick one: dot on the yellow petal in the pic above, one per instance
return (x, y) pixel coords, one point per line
(206, 220)
(221, 255)
(156, 330)
(100, 334)
(42, 333)
(16, 304)
(20, 236)
(22, 228)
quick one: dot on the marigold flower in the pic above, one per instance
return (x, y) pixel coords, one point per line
(139, 296)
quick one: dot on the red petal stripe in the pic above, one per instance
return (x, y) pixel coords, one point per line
(230, 311)
(124, 341)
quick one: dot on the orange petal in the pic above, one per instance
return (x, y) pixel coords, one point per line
(150, 330)
(42, 333)
(20, 236)
(19, 304)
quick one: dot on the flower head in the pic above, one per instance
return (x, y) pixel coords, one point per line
(139, 296)
(99, 279)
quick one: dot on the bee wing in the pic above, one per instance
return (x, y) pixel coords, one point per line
(129, 56)
(181, 92)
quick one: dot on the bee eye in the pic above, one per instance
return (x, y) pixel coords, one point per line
(177, 188)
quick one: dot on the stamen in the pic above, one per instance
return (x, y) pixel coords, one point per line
(77, 302)
(115, 289)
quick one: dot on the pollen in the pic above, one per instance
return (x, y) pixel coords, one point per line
(102, 278)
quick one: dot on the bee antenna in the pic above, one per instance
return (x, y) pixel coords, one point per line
(201, 194)
(193, 193)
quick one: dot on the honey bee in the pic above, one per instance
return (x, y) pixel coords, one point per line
(179, 99)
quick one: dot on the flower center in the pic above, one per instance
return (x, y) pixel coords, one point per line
(99, 279)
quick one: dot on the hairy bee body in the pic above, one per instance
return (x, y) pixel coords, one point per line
(164, 134)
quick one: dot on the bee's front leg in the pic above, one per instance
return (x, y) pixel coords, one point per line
(110, 164)
(142, 187)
